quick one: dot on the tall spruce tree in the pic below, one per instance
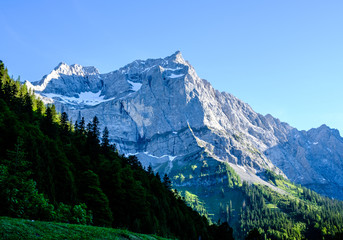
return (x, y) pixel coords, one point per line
(105, 141)
(166, 181)
(64, 123)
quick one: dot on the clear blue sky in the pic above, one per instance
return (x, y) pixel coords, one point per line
(282, 57)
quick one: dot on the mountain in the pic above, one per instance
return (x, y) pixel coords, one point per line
(52, 170)
(161, 111)
(205, 140)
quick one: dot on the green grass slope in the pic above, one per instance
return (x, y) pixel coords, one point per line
(13, 228)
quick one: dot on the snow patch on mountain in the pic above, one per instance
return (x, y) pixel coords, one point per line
(171, 69)
(84, 98)
(176, 75)
(171, 158)
(135, 86)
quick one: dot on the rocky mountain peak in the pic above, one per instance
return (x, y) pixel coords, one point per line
(67, 80)
(176, 58)
(75, 69)
(323, 133)
(172, 62)
(61, 65)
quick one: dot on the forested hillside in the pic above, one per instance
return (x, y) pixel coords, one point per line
(53, 170)
(293, 212)
(299, 213)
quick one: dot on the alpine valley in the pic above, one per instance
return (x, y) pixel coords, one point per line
(213, 146)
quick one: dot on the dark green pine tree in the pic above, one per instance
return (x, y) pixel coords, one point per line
(105, 141)
(149, 170)
(64, 123)
(28, 103)
(2, 74)
(95, 127)
(166, 181)
(93, 147)
(76, 126)
(93, 131)
(48, 125)
(82, 125)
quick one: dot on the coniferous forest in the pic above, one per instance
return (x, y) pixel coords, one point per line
(256, 211)
(53, 170)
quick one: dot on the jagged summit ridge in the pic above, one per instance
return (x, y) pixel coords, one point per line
(163, 112)
(71, 77)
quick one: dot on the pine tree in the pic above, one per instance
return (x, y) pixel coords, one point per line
(40, 106)
(82, 125)
(64, 123)
(54, 115)
(2, 73)
(2, 69)
(48, 125)
(105, 142)
(76, 126)
(166, 181)
(48, 115)
(150, 171)
(95, 127)
(28, 103)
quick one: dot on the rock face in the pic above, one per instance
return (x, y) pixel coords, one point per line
(161, 111)
(313, 159)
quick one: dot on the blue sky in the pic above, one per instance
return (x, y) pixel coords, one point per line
(281, 57)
